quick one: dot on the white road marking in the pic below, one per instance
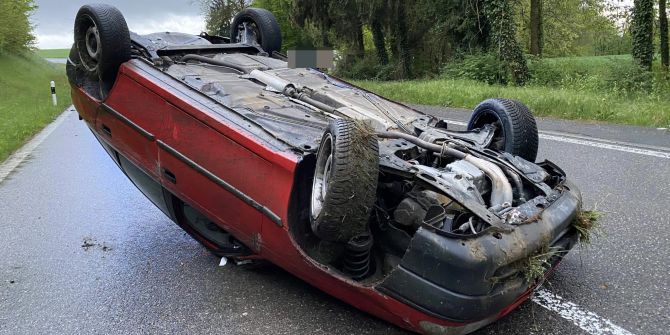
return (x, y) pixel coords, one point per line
(604, 145)
(595, 142)
(590, 322)
(24, 152)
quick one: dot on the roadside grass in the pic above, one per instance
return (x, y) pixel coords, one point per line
(593, 88)
(25, 98)
(53, 53)
(560, 102)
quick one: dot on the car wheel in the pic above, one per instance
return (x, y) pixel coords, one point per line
(345, 182)
(516, 129)
(102, 40)
(261, 26)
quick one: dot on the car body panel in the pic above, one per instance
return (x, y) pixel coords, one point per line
(236, 156)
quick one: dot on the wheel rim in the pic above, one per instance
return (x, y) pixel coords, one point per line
(255, 36)
(88, 44)
(321, 175)
(489, 117)
(93, 42)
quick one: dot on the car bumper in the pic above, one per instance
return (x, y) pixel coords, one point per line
(477, 279)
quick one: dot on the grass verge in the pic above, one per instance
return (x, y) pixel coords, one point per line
(544, 101)
(53, 53)
(25, 98)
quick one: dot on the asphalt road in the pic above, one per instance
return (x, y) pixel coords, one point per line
(82, 251)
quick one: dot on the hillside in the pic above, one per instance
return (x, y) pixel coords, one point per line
(26, 98)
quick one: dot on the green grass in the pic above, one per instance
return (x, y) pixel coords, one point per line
(25, 98)
(53, 53)
(567, 103)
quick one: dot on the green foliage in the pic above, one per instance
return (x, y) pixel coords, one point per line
(485, 67)
(500, 14)
(574, 28)
(369, 68)
(15, 29)
(642, 31)
(570, 101)
(616, 75)
(628, 78)
(293, 37)
(663, 28)
(220, 14)
(26, 99)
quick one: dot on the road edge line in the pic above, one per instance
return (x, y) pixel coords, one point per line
(20, 155)
(593, 142)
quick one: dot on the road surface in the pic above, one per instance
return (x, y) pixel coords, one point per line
(84, 252)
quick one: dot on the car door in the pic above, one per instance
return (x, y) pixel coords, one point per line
(220, 177)
(129, 120)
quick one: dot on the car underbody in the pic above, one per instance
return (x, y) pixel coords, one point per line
(452, 219)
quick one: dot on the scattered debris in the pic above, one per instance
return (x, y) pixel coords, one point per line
(12, 282)
(223, 261)
(88, 243)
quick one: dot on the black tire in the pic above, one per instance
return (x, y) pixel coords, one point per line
(345, 182)
(517, 129)
(102, 40)
(268, 33)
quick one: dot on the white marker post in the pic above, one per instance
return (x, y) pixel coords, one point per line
(53, 93)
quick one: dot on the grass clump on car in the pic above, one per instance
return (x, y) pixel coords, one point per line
(587, 224)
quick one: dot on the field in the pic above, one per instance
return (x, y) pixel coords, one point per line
(26, 98)
(603, 88)
(53, 53)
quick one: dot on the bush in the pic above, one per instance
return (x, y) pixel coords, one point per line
(627, 79)
(366, 68)
(15, 30)
(484, 67)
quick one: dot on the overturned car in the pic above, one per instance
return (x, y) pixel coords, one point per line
(371, 201)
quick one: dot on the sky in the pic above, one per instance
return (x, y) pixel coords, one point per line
(54, 19)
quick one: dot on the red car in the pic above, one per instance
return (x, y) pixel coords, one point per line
(373, 202)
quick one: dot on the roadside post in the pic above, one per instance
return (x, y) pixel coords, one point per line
(53, 93)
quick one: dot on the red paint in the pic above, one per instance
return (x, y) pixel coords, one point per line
(238, 157)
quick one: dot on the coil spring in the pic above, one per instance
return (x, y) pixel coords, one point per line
(357, 256)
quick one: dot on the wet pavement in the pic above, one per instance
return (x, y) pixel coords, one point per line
(84, 252)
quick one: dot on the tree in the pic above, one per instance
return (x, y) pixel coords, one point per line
(642, 31)
(500, 14)
(378, 10)
(536, 27)
(663, 26)
(15, 29)
(220, 14)
(400, 38)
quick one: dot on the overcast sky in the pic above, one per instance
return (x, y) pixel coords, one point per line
(54, 19)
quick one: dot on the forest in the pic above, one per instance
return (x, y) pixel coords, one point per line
(393, 39)
(586, 59)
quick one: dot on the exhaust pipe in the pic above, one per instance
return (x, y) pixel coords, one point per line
(501, 190)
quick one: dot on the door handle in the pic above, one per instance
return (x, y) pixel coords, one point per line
(169, 176)
(106, 130)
